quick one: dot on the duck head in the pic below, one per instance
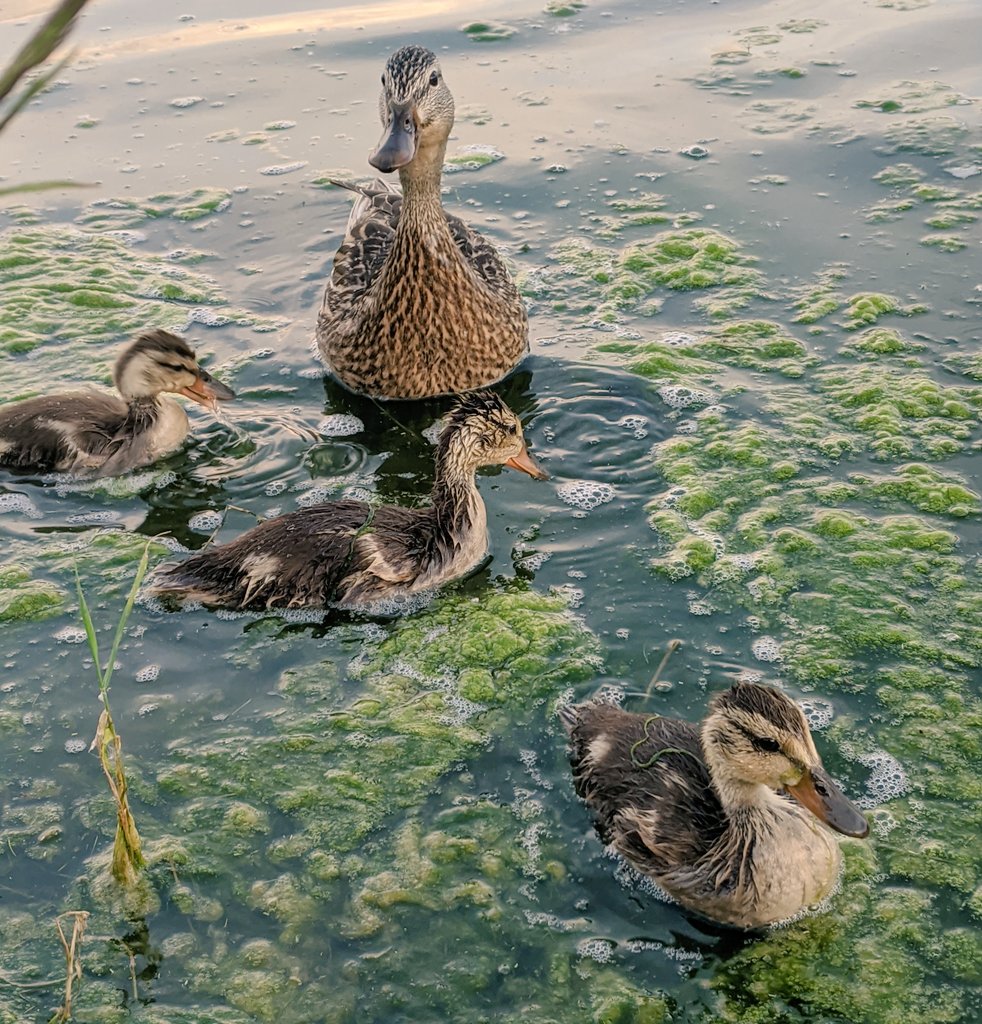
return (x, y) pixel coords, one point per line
(756, 735)
(416, 109)
(483, 431)
(160, 361)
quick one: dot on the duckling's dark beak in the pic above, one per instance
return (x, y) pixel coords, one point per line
(527, 464)
(398, 145)
(207, 391)
(820, 795)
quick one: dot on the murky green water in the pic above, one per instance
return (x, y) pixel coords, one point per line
(749, 239)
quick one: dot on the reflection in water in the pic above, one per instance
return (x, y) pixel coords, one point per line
(400, 431)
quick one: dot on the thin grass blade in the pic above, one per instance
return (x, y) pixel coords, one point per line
(141, 572)
(83, 609)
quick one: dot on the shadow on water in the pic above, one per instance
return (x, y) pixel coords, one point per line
(396, 429)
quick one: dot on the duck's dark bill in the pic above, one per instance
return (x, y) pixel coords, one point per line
(208, 391)
(820, 795)
(398, 145)
(527, 464)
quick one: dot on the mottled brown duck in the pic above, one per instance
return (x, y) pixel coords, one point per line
(95, 434)
(419, 304)
(350, 554)
(726, 818)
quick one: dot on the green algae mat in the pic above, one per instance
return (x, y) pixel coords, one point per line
(746, 242)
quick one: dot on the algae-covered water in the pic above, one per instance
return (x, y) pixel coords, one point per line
(748, 234)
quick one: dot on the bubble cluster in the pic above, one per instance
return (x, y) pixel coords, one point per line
(70, 635)
(887, 779)
(275, 487)
(75, 745)
(21, 503)
(340, 424)
(532, 563)
(766, 648)
(700, 608)
(677, 339)
(678, 396)
(99, 518)
(601, 950)
(818, 713)
(585, 495)
(147, 674)
(572, 595)
(207, 521)
(274, 169)
(183, 102)
(638, 425)
(147, 709)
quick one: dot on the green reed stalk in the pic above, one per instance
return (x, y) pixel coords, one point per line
(49, 35)
(127, 849)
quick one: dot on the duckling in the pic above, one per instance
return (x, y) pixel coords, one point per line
(726, 817)
(93, 434)
(350, 554)
(419, 304)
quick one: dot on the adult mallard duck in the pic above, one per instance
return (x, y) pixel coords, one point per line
(726, 817)
(93, 434)
(350, 554)
(419, 304)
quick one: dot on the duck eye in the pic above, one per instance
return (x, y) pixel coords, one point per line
(435, 78)
(766, 743)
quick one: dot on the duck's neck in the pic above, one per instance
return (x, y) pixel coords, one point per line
(747, 803)
(142, 411)
(420, 179)
(457, 503)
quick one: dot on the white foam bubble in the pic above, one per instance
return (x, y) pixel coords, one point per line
(585, 494)
(700, 608)
(818, 712)
(677, 338)
(275, 487)
(147, 709)
(532, 563)
(340, 424)
(601, 950)
(678, 396)
(70, 635)
(887, 780)
(147, 674)
(15, 502)
(766, 648)
(183, 102)
(638, 425)
(275, 169)
(207, 521)
(99, 518)
(75, 745)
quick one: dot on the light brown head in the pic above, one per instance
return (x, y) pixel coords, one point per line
(159, 361)
(416, 109)
(483, 431)
(756, 735)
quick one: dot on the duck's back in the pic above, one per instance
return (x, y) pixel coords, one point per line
(416, 314)
(67, 432)
(339, 553)
(646, 779)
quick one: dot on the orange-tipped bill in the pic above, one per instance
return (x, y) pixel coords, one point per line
(527, 464)
(207, 391)
(820, 795)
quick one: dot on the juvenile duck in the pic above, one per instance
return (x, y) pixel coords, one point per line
(93, 434)
(350, 554)
(419, 304)
(724, 817)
